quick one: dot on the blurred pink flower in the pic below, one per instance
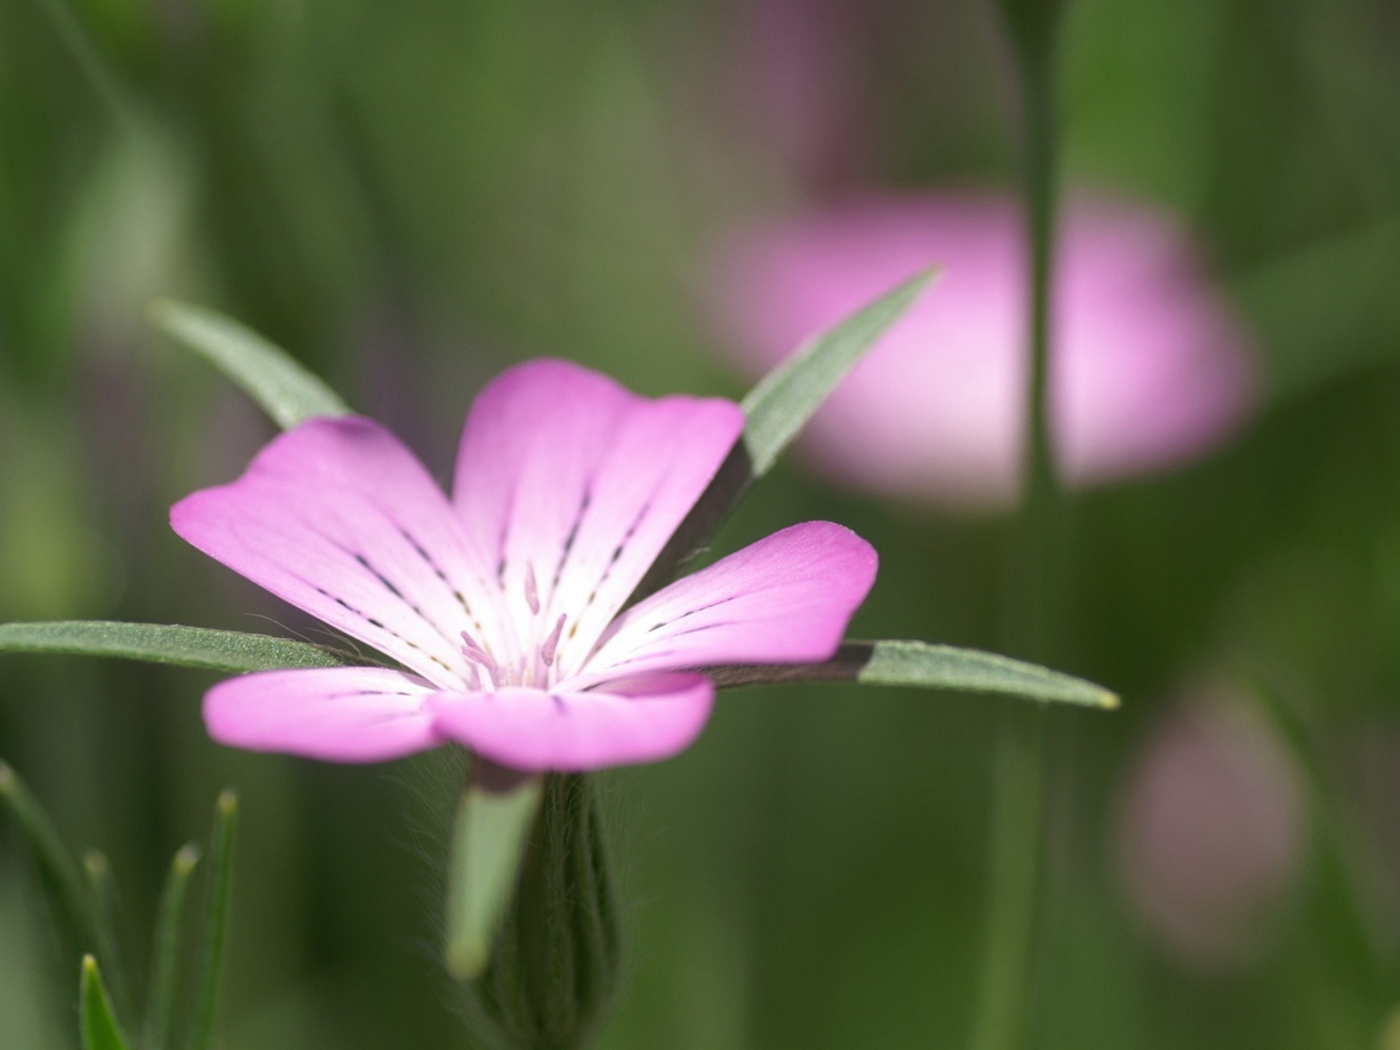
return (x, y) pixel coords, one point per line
(505, 604)
(806, 85)
(1212, 829)
(1149, 369)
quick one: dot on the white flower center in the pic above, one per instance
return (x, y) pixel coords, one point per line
(533, 667)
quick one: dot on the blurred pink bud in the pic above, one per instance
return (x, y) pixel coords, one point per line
(1149, 366)
(1212, 830)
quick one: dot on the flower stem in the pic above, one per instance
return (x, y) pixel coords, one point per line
(1014, 860)
(104, 80)
(1034, 606)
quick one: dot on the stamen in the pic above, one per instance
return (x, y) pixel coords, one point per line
(477, 653)
(532, 590)
(551, 644)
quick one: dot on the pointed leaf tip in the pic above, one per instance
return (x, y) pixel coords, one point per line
(215, 921)
(785, 399)
(106, 913)
(284, 388)
(467, 958)
(162, 1001)
(97, 1023)
(187, 859)
(59, 873)
(912, 663)
(927, 666)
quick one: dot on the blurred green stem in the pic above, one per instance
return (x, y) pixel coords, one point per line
(95, 67)
(1035, 565)
(215, 922)
(1014, 863)
(165, 951)
(107, 921)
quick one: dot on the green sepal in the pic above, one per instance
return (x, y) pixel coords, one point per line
(488, 843)
(557, 958)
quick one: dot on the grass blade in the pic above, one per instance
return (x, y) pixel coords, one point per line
(100, 73)
(97, 1024)
(285, 389)
(165, 951)
(230, 651)
(106, 913)
(785, 399)
(923, 665)
(492, 829)
(215, 921)
(70, 905)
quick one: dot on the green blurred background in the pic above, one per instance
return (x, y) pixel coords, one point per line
(412, 195)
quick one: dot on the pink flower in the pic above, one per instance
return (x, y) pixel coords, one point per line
(1150, 367)
(806, 85)
(505, 604)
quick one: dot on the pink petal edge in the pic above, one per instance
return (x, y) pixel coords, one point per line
(785, 599)
(338, 714)
(644, 719)
(338, 518)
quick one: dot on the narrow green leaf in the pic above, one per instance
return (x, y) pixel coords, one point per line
(96, 1022)
(493, 827)
(70, 906)
(229, 651)
(1338, 904)
(215, 921)
(106, 913)
(776, 410)
(1330, 292)
(786, 398)
(945, 667)
(926, 666)
(285, 389)
(165, 951)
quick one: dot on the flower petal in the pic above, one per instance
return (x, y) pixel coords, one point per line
(785, 599)
(338, 518)
(644, 719)
(337, 714)
(565, 476)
